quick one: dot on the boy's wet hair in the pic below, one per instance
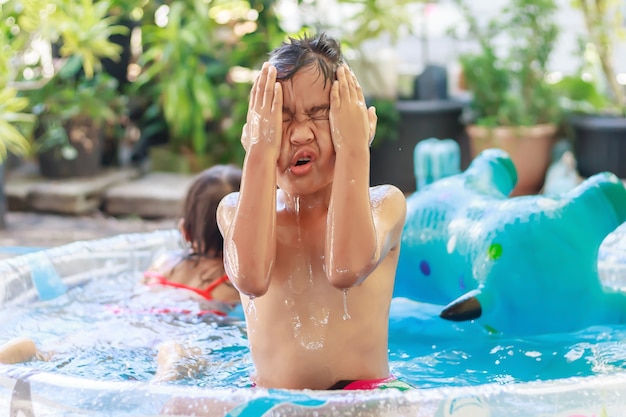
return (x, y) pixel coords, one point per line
(200, 207)
(320, 51)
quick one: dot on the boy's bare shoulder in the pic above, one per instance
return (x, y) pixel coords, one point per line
(380, 193)
(388, 202)
(226, 208)
(230, 200)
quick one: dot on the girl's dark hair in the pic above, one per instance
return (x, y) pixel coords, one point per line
(200, 207)
(322, 51)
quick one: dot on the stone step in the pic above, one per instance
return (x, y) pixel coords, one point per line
(154, 195)
(115, 191)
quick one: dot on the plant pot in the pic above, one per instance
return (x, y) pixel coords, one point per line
(599, 144)
(391, 161)
(84, 161)
(530, 149)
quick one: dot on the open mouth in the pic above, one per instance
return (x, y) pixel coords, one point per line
(301, 163)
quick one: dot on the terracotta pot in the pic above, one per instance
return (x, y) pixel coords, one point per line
(530, 149)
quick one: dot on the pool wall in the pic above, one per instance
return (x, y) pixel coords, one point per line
(29, 278)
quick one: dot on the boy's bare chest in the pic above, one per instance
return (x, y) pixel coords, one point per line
(300, 250)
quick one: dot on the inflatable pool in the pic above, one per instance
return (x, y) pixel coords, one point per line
(29, 390)
(533, 290)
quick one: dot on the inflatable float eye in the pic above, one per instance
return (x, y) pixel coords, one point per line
(464, 308)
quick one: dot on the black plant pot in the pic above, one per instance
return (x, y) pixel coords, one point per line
(85, 137)
(392, 160)
(599, 144)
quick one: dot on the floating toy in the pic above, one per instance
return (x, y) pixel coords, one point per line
(434, 159)
(525, 264)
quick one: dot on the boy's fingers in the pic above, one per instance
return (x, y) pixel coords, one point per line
(373, 122)
(335, 101)
(344, 88)
(270, 87)
(260, 87)
(351, 82)
(277, 102)
(252, 98)
(359, 90)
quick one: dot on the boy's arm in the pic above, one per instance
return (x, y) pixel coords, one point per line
(361, 228)
(250, 235)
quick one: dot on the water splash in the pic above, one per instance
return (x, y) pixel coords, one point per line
(346, 315)
(297, 209)
(251, 309)
(311, 334)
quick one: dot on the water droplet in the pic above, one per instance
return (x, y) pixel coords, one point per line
(297, 208)
(346, 315)
(251, 309)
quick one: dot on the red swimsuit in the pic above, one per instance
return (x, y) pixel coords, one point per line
(157, 278)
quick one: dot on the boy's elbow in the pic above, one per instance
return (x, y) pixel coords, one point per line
(252, 287)
(347, 278)
(248, 282)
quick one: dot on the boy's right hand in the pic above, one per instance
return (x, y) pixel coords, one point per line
(264, 121)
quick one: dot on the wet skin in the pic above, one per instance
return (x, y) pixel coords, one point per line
(293, 250)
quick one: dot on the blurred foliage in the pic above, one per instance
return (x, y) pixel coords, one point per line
(187, 80)
(14, 122)
(71, 94)
(388, 120)
(508, 85)
(82, 28)
(50, 89)
(580, 96)
(604, 23)
(377, 17)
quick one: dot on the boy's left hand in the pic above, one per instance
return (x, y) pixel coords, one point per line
(350, 121)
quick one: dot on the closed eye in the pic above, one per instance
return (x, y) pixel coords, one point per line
(320, 113)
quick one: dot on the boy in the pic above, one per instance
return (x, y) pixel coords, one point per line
(310, 246)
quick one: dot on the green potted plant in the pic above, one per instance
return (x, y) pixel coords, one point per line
(72, 112)
(401, 123)
(64, 84)
(188, 85)
(513, 107)
(15, 121)
(597, 103)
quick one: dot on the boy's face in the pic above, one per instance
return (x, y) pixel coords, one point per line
(307, 157)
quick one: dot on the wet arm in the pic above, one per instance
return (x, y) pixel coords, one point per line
(250, 241)
(351, 243)
(250, 238)
(355, 242)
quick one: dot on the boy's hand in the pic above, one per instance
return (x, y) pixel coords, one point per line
(350, 121)
(264, 121)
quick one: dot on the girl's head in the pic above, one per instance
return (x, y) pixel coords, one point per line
(198, 224)
(319, 51)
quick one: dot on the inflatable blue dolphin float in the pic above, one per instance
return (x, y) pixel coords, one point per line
(524, 265)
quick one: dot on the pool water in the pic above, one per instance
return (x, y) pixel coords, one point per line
(101, 330)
